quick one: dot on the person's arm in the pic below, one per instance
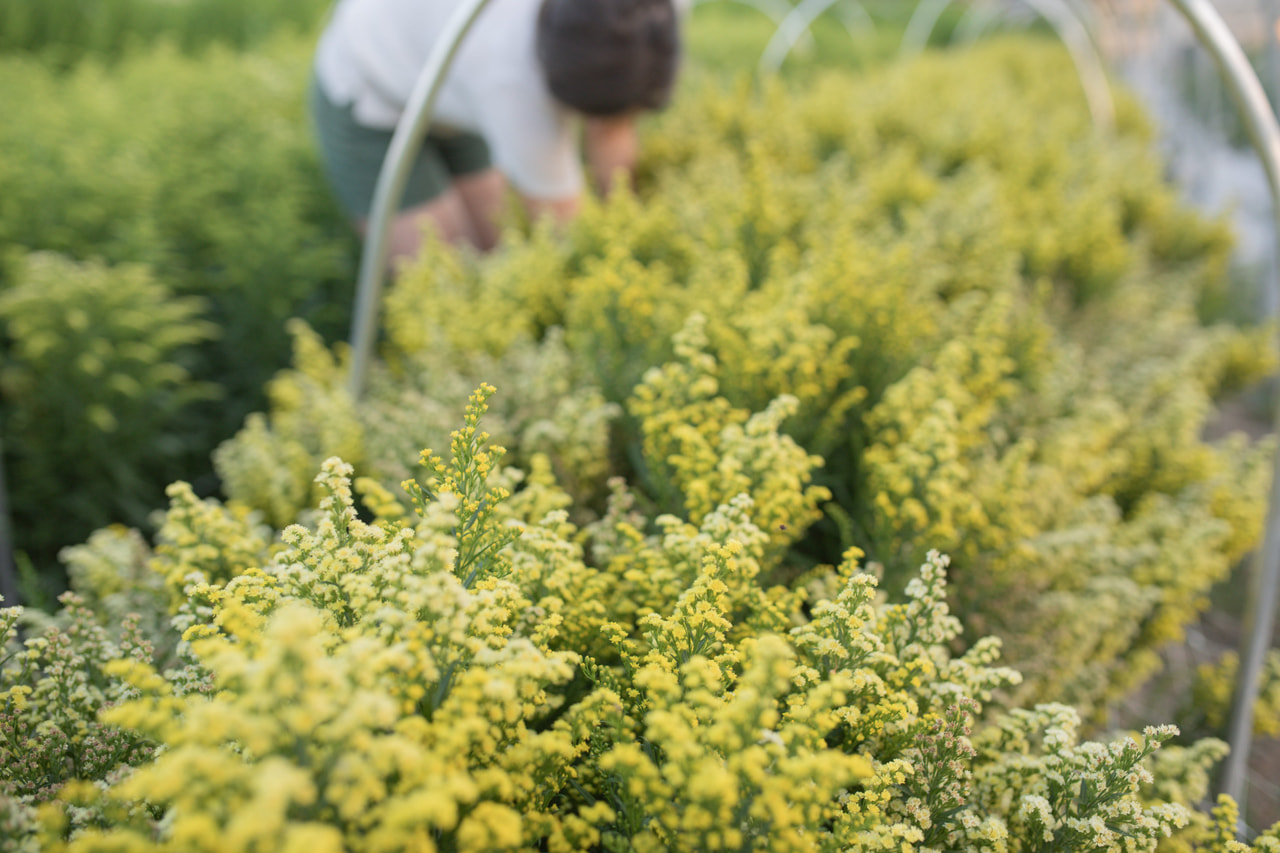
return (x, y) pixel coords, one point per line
(611, 145)
(533, 141)
(560, 210)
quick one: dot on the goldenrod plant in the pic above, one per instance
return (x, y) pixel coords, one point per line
(96, 379)
(157, 169)
(455, 675)
(691, 593)
(62, 33)
(978, 332)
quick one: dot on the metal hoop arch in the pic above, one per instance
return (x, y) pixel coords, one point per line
(1264, 132)
(409, 134)
(977, 20)
(1072, 31)
(775, 10)
(797, 24)
(855, 17)
(8, 567)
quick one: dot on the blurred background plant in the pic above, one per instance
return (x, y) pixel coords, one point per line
(155, 163)
(64, 32)
(196, 176)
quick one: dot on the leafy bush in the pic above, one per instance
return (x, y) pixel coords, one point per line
(470, 672)
(97, 392)
(203, 173)
(987, 320)
(838, 328)
(63, 32)
(1213, 692)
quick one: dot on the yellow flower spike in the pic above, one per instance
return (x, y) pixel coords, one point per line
(489, 827)
(314, 838)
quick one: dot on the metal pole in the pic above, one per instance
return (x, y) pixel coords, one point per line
(1271, 19)
(1260, 121)
(856, 18)
(1071, 30)
(1084, 55)
(976, 20)
(795, 25)
(410, 132)
(8, 570)
(923, 19)
(1087, 14)
(775, 10)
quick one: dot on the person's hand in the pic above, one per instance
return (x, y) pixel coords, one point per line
(611, 148)
(560, 210)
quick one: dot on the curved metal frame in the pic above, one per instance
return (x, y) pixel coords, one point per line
(410, 132)
(1264, 132)
(1212, 32)
(975, 22)
(1084, 54)
(924, 18)
(1087, 14)
(1072, 31)
(775, 10)
(797, 23)
(855, 17)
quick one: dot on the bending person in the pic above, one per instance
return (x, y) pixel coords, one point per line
(530, 79)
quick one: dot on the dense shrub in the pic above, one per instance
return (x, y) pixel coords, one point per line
(473, 672)
(62, 32)
(98, 395)
(202, 172)
(836, 328)
(986, 319)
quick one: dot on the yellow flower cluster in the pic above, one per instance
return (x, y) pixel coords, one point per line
(460, 678)
(412, 403)
(201, 541)
(990, 330)
(831, 324)
(271, 465)
(363, 698)
(1214, 690)
(704, 451)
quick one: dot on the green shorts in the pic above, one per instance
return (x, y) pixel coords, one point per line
(352, 156)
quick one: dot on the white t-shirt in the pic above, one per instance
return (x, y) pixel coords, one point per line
(372, 51)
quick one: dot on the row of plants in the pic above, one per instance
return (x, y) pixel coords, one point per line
(699, 602)
(197, 174)
(472, 671)
(993, 325)
(152, 162)
(62, 33)
(159, 222)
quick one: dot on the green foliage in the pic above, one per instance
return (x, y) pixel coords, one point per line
(97, 391)
(54, 685)
(1212, 695)
(367, 688)
(199, 178)
(63, 32)
(987, 320)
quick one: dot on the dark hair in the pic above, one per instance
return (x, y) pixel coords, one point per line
(607, 57)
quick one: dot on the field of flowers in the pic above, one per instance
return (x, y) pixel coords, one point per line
(835, 484)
